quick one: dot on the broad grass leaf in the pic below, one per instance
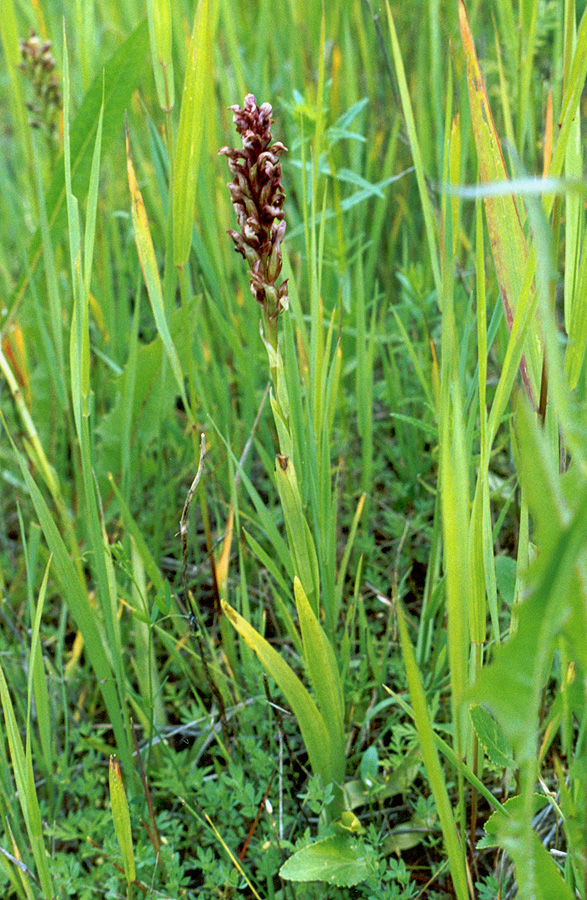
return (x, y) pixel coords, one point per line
(555, 606)
(145, 394)
(315, 731)
(325, 678)
(159, 18)
(461, 603)
(508, 244)
(196, 102)
(338, 859)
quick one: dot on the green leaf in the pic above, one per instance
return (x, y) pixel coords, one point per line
(115, 84)
(491, 737)
(434, 770)
(338, 859)
(555, 605)
(512, 808)
(505, 575)
(145, 395)
(429, 217)
(325, 678)
(159, 17)
(315, 731)
(537, 874)
(197, 96)
(78, 602)
(37, 687)
(299, 536)
(25, 785)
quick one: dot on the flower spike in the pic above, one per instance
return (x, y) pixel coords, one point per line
(257, 196)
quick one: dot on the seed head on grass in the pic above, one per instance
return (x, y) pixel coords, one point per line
(257, 197)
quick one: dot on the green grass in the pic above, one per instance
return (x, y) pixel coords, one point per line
(368, 672)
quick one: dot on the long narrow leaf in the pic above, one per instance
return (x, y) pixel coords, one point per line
(197, 95)
(314, 729)
(415, 148)
(25, 784)
(325, 678)
(506, 235)
(79, 604)
(432, 762)
(148, 262)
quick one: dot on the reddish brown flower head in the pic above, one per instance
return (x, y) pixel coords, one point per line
(38, 66)
(257, 196)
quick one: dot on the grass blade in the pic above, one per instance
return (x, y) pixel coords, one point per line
(416, 153)
(325, 678)
(195, 106)
(114, 86)
(150, 269)
(315, 731)
(508, 244)
(432, 762)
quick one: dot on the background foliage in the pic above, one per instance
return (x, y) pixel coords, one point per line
(444, 494)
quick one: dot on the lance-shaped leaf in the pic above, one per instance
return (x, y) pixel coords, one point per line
(325, 677)
(508, 243)
(197, 94)
(299, 536)
(159, 18)
(315, 731)
(121, 818)
(111, 89)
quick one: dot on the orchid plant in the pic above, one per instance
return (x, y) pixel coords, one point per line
(257, 196)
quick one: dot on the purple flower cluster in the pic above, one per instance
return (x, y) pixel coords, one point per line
(38, 65)
(257, 196)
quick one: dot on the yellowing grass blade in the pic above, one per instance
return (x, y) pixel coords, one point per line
(315, 731)
(121, 818)
(508, 244)
(148, 262)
